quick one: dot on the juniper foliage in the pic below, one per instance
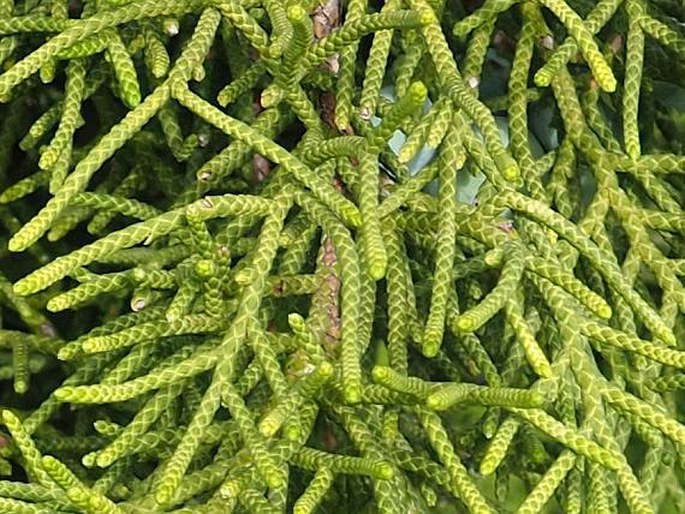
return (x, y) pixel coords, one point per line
(226, 287)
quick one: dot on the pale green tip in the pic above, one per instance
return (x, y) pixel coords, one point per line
(92, 345)
(268, 427)
(325, 369)
(430, 349)
(406, 154)
(352, 216)
(489, 430)
(353, 394)
(8, 418)
(494, 257)
(163, 495)
(608, 83)
(132, 99)
(205, 268)
(49, 462)
(542, 78)
(418, 91)
(16, 243)
(604, 311)
(465, 324)
(377, 268)
(89, 460)
(139, 274)
(20, 386)
(380, 374)
(487, 467)
(63, 394)
(66, 353)
(48, 159)
(537, 400)
(55, 304)
(511, 173)
(23, 287)
(292, 432)
(667, 337)
(633, 151)
(544, 370)
(428, 17)
(435, 402)
(295, 321)
(271, 96)
(296, 13)
(274, 481)
(385, 471)
(103, 460)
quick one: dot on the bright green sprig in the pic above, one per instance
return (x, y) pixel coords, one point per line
(525, 336)
(445, 251)
(499, 445)
(88, 499)
(241, 85)
(347, 58)
(444, 397)
(610, 272)
(439, 439)
(344, 246)
(57, 155)
(159, 377)
(376, 66)
(394, 380)
(354, 30)
(127, 207)
(87, 167)
(569, 437)
(487, 13)
(124, 69)
(181, 148)
(374, 250)
(476, 317)
(83, 28)
(246, 24)
(659, 420)
(545, 488)
(312, 459)
(631, 88)
(585, 41)
(347, 211)
(24, 187)
(156, 55)
(424, 128)
(20, 363)
(663, 33)
(191, 324)
(596, 19)
(294, 398)
(23, 441)
(169, 481)
(315, 492)
(405, 107)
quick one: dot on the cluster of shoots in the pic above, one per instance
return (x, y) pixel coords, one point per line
(226, 288)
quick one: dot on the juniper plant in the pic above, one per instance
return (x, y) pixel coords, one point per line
(228, 288)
